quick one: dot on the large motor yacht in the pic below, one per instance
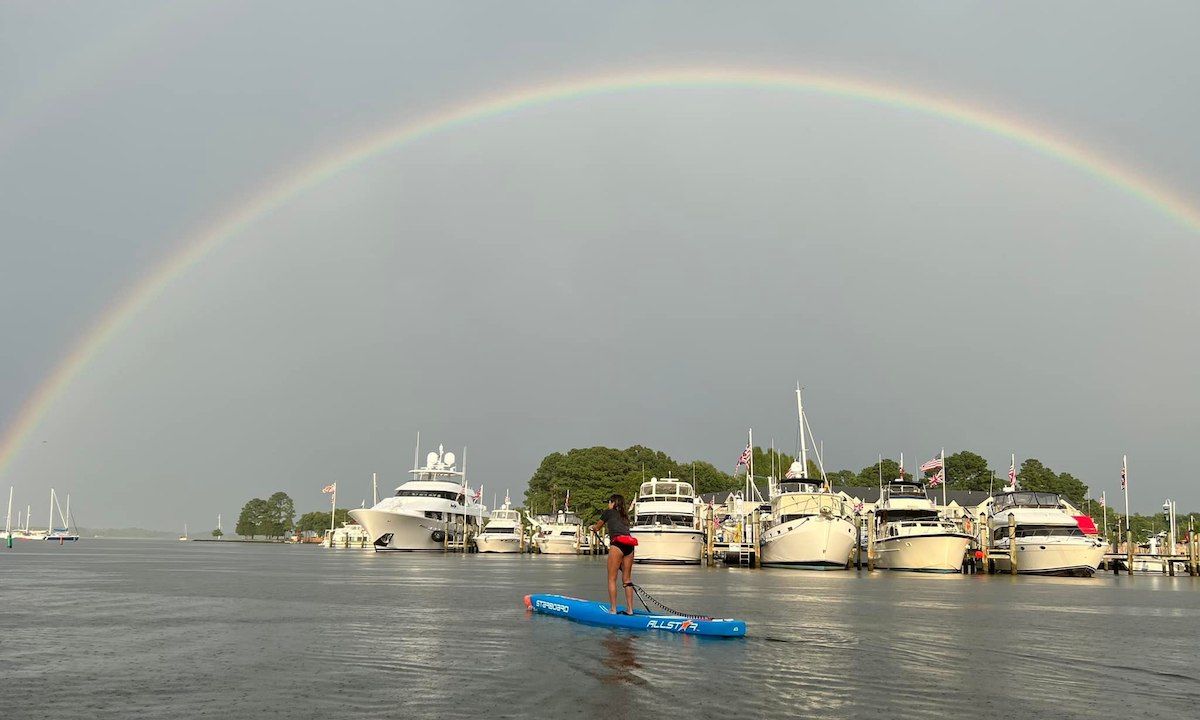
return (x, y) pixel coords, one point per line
(425, 512)
(666, 523)
(809, 525)
(1052, 537)
(503, 531)
(560, 534)
(911, 534)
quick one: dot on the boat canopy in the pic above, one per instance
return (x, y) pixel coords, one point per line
(1025, 499)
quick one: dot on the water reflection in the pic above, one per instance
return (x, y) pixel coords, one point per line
(619, 660)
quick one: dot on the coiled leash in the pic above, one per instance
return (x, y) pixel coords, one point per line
(647, 597)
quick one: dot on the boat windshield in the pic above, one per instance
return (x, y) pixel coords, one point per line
(443, 494)
(1028, 531)
(506, 515)
(799, 487)
(1026, 500)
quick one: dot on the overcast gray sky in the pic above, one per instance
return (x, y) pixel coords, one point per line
(653, 267)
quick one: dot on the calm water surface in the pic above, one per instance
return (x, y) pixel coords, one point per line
(116, 629)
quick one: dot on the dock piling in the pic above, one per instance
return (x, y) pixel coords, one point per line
(1129, 550)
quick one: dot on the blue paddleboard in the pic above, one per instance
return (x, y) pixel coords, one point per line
(596, 613)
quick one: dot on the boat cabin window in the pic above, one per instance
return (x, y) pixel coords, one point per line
(443, 494)
(672, 520)
(1024, 531)
(568, 532)
(1026, 500)
(500, 529)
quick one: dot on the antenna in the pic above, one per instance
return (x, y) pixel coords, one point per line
(417, 452)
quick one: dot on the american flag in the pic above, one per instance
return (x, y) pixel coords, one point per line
(744, 459)
(1101, 499)
(793, 472)
(478, 494)
(1123, 478)
(1012, 472)
(937, 479)
(329, 488)
(934, 464)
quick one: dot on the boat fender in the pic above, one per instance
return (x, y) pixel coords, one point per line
(438, 536)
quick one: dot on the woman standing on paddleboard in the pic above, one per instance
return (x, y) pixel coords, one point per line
(620, 550)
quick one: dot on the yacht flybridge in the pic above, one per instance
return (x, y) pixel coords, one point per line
(503, 532)
(427, 511)
(666, 523)
(912, 536)
(809, 525)
(1052, 538)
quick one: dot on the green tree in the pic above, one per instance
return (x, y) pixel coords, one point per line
(318, 520)
(842, 478)
(280, 515)
(891, 470)
(217, 533)
(252, 520)
(966, 470)
(592, 474)
(1037, 477)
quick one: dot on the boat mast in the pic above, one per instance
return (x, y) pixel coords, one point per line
(417, 452)
(50, 520)
(8, 515)
(803, 442)
(374, 488)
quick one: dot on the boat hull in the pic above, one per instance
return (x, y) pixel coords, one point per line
(939, 553)
(815, 542)
(399, 532)
(596, 613)
(1040, 557)
(557, 545)
(493, 543)
(668, 546)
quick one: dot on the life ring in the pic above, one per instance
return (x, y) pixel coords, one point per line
(968, 525)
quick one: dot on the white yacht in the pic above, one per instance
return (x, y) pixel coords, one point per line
(426, 511)
(1052, 537)
(911, 534)
(666, 523)
(809, 525)
(349, 535)
(503, 531)
(560, 534)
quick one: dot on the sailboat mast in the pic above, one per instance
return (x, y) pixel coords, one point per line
(374, 489)
(50, 519)
(803, 441)
(8, 515)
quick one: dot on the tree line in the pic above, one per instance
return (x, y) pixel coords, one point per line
(275, 518)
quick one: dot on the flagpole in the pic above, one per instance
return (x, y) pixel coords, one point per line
(750, 467)
(1104, 509)
(945, 477)
(1125, 487)
(332, 513)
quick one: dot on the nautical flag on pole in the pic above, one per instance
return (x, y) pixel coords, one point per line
(1124, 480)
(329, 488)
(567, 500)
(937, 479)
(478, 494)
(934, 464)
(744, 459)
(1012, 472)
(1101, 499)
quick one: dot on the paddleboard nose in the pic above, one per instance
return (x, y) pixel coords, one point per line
(528, 603)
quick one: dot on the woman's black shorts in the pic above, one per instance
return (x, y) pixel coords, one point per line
(626, 550)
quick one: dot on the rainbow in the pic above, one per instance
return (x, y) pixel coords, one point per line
(195, 248)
